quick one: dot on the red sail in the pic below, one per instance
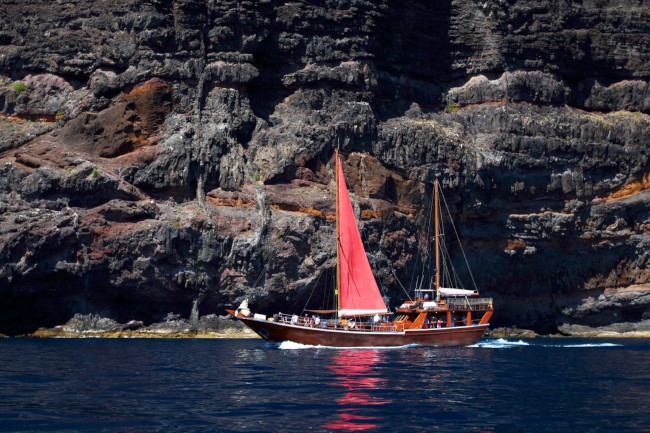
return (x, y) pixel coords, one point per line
(359, 292)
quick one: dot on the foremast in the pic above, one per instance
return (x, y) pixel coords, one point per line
(436, 219)
(338, 237)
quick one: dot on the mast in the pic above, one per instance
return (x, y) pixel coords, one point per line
(338, 236)
(437, 236)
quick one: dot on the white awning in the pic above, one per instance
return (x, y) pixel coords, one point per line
(456, 292)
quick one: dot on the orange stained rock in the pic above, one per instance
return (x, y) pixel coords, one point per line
(230, 202)
(515, 245)
(152, 103)
(43, 118)
(630, 189)
(146, 87)
(370, 214)
(329, 216)
(11, 118)
(633, 287)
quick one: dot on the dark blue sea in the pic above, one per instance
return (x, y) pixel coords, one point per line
(151, 385)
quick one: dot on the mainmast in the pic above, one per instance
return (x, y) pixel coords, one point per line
(437, 237)
(338, 235)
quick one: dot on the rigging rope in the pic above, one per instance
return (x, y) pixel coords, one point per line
(312, 292)
(471, 275)
(400, 284)
(270, 252)
(423, 253)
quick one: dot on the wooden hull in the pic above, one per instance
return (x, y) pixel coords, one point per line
(279, 332)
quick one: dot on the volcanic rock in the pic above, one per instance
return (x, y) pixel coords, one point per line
(177, 155)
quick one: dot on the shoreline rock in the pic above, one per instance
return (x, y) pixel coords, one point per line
(94, 326)
(56, 333)
(615, 330)
(510, 333)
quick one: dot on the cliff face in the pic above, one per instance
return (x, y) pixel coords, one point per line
(160, 154)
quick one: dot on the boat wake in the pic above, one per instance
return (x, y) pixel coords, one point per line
(583, 345)
(499, 343)
(502, 343)
(290, 345)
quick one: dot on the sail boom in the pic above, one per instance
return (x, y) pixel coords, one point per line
(355, 312)
(456, 292)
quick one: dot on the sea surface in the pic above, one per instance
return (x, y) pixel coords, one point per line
(151, 385)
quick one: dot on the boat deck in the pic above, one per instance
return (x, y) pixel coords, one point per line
(435, 318)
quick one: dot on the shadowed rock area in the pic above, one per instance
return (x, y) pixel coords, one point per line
(177, 155)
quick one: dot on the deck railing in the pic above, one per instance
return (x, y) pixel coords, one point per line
(353, 325)
(341, 324)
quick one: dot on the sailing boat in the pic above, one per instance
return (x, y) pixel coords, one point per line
(455, 318)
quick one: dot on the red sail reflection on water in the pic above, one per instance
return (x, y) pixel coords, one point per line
(354, 368)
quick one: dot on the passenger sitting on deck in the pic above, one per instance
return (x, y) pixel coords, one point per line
(351, 324)
(294, 319)
(316, 320)
(439, 323)
(376, 319)
(426, 296)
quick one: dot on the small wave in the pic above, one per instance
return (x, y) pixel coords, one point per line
(499, 343)
(502, 343)
(584, 345)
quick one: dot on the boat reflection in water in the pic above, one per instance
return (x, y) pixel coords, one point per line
(354, 370)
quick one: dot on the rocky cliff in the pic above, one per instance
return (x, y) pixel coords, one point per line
(174, 155)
